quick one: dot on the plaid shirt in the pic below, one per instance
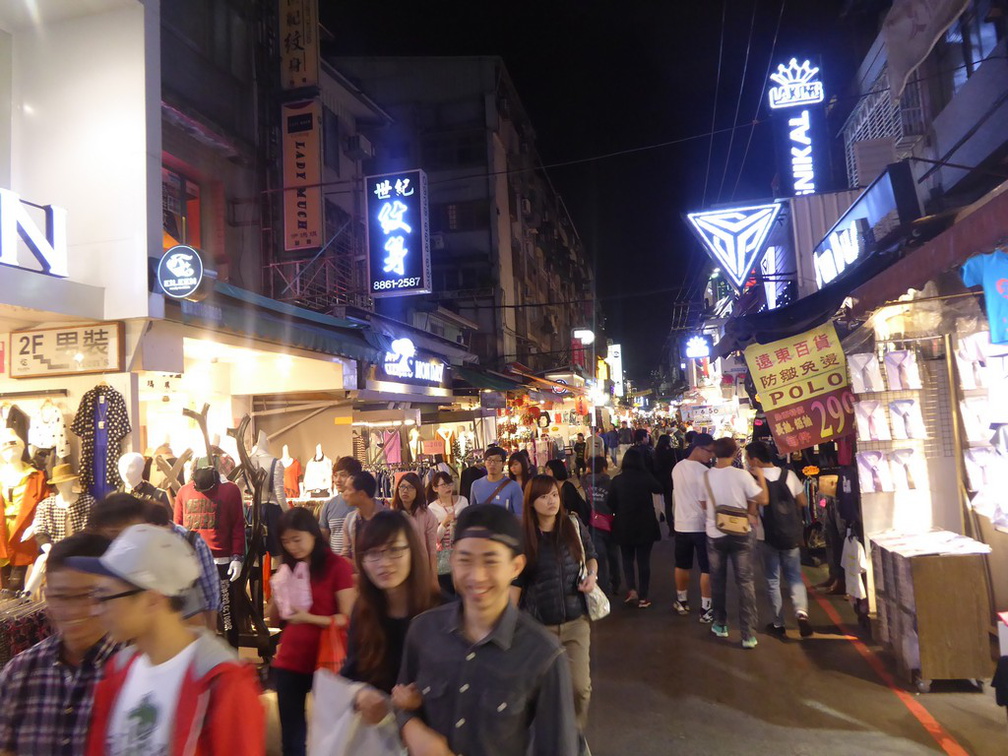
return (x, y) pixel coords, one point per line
(209, 579)
(45, 704)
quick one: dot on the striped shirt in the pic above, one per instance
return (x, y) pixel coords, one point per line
(45, 704)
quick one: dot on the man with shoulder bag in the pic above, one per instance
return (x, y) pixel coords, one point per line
(782, 536)
(733, 496)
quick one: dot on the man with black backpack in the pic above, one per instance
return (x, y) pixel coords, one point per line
(782, 530)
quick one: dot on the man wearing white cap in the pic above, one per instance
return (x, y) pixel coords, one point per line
(175, 690)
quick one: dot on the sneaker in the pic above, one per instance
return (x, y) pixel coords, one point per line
(749, 643)
(778, 630)
(644, 604)
(681, 607)
(721, 631)
(707, 617)
(804, 626)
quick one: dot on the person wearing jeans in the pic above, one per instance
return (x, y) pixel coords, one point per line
(729, 487)
(776, 561)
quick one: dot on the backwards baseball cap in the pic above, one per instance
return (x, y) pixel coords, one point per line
(493, 522)
(147, 557)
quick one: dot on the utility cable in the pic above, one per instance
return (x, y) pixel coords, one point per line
(738, 104)
(717, 90)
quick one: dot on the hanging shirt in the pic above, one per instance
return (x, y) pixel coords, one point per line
(144, 714)
(991, 272)
(292, 478)
(854, 562)
(48, 430)
(318, 474)
(101, 422)
(392, 447)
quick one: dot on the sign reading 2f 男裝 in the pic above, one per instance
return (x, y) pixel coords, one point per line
(398, 234)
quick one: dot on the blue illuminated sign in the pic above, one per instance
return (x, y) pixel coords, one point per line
(398, 234)
(734, 237)
(799, 91)
(180, 272)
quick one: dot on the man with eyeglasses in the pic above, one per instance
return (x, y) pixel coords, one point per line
(175, 688)
(46, 692)
(497, 488)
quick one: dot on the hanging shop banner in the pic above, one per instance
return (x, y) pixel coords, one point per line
(398, 234)
(802, 385)
(304, 219)
(75, 350)
(299, 44)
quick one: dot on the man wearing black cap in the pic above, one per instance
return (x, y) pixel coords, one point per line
(492, 680)
(689, 494)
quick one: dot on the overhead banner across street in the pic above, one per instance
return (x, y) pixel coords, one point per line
(802, 385)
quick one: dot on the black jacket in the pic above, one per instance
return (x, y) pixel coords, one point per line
(550, 586)
(630, 498)
(573, 502)
(664, 461)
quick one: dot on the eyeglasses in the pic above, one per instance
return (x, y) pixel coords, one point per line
(406, 487)
(373, 556)
(102, 599)
(69, 599)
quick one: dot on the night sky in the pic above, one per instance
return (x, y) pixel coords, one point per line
(607, 77)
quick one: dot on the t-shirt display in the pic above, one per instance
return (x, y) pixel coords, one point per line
(218, 516)
(991, 272)
(318, 474)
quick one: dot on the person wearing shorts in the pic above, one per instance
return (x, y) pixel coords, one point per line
(689, 495)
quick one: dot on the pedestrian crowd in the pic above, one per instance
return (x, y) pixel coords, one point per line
(466, 621)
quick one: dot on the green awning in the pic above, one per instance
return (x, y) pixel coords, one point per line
(487, 379)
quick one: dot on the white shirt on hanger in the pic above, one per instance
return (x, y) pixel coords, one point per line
(872, 423)
(865, 374)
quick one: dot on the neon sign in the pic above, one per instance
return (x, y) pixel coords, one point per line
(398, 234)
(802, 168)
(614, 357)
(402, 362)
(734, 237)
(796, 85)
(698, 348)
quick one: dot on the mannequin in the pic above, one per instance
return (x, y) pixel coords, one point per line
(131, 467)
(263, 458)
(318, 475)
(292, 473)
(59, 515)
(415, 444)
(21, 489)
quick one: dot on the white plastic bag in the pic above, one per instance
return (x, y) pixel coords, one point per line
(336, 729)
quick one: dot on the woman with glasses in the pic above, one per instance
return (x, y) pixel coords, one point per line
(411, 500)
(446, 506)
(393, 589)
(333, 594)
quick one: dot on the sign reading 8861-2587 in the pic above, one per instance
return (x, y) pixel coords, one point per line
(398, 235)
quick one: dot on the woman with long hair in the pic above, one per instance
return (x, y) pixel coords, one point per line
(635, 526)
(572, 500)
(332, 593)
(411, 499)
(518, 468)
(393, 589)
(553, 586)
(665, 459)
(446, 505)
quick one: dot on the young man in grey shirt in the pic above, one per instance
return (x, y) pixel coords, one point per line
(335, 511)
(492, 680)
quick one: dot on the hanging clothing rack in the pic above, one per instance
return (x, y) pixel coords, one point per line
(30, 394)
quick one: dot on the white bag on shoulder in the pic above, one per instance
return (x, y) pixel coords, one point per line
(336, 729)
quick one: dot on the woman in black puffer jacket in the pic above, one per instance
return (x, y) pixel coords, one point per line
(635, 525)
(553, 586)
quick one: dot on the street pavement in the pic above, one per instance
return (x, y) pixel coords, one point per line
(663, 684)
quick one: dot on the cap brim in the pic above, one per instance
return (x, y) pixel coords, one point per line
(93, 566)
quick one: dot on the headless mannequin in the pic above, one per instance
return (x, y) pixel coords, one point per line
(263, 458)
(318, 472)
(285, 457)
(18, 514)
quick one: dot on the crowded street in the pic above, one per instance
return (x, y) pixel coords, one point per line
(536, 379)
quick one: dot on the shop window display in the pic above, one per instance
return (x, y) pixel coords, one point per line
(22, 488)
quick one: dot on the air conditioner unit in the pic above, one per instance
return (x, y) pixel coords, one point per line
(359, 147)
(871, 157)
(437, 241)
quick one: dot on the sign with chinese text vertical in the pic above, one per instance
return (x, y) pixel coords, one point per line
(304, 219)
(802, 384)
(75, 350)
(398, 234)
(299, 44)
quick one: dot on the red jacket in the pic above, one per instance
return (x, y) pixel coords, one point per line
(218, 712)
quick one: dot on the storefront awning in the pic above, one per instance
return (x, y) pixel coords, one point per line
(487, 379)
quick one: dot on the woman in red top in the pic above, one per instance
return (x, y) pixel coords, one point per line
(333, 595)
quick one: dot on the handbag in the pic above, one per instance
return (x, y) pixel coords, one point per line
(729, 520)
(332, 648)
(596, 602)
(337, 729)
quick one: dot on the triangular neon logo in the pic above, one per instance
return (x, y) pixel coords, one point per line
(734, 237)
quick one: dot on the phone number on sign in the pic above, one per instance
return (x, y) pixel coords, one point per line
(399, 283)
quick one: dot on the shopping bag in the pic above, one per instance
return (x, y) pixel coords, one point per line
(336, 729)
(292, 589)
(332, 648)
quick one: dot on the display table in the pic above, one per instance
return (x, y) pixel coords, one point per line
(932, 604)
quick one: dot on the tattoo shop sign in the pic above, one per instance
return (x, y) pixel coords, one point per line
(74, 350)
(802, 384)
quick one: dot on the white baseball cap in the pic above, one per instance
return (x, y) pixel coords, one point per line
(147, 557)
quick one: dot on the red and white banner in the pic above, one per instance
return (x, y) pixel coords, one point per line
(911, 30)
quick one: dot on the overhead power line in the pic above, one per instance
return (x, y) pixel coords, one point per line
(717, 91)
(738, 103)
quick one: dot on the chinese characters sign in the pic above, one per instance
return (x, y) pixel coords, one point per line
(304, 219)
(299, 44)
(74, 350)
(802, 384)
(398, 234)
